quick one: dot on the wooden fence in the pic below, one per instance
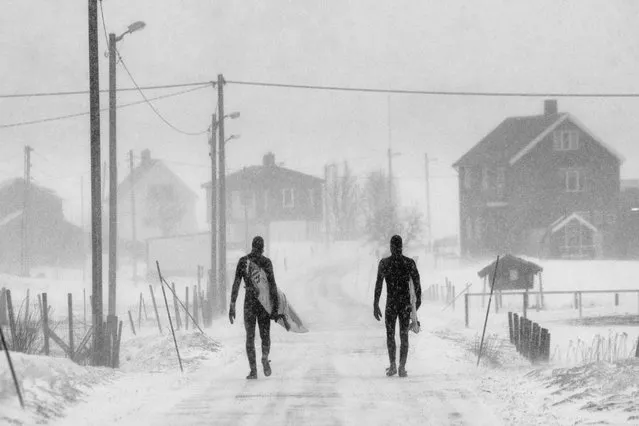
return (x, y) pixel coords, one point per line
(525, 303)
(530, 340)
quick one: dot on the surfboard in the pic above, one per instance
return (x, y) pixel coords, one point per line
(414, 322)
(286, 315)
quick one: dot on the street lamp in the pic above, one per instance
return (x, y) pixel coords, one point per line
(113, 172)
(230, 138)
(213, 274)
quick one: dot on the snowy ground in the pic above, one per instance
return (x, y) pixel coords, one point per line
(335, 373)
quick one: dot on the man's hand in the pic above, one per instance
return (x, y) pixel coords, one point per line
(232, 312)
(377, 313)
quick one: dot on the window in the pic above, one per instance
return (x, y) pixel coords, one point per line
(574, 180)
(288, 198)
(565, 140)
(514, 274)
(493, 178)
(610, 218)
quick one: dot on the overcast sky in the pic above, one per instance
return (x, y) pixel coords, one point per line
(538, 46)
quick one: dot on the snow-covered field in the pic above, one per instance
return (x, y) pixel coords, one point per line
(334, 374)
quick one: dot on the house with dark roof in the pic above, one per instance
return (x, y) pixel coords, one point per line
(42, 236)
(541, 185)
(273, 201)
(163, 204)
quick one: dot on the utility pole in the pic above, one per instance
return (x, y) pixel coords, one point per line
(428, 216)
(25, 260)
(212, 297)
(222, 223)
(133, 233)
(96, 198)
(113, 187)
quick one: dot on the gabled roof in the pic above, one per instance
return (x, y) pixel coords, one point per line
(563, 221)
(507, 139)
(139, 172)
(516, 136)
(265, 174)
(509, 261)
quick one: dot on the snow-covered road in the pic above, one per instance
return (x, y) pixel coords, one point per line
(333, 375)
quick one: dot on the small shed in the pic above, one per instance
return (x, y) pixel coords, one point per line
(513, 273)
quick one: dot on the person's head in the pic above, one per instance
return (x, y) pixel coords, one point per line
(258, 245)
(396, 244)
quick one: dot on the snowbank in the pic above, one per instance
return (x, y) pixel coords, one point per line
(48, 385)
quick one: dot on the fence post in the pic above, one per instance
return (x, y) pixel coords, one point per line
(616, 299)
(26, 308)
(178, 320)
(526, 304)
(3, 306)
(466, 319)
(132, 324)
(155, 307)
(548, 346)
(12, 319)
(454, 297)
(543, 344)
(535, 347)
(70, 303)
(45, 322)
(516, 331)
(510, 327)
(576, 301)
(526, 339)
(140, 312)
(579, 301)
(497, 303)
(186, 316)
(195, 305)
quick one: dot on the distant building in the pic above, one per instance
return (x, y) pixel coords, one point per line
(164, 204)
(50, 239)
(541, 185)
(278, 203)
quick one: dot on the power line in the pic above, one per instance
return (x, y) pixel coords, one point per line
(123, 89)
(436, 92)
(177, 129)
(337, 88)
(80, 114)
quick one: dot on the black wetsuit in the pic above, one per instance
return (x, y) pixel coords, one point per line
(253, 309)
(396, 270)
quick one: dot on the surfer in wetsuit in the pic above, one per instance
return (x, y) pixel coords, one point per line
(253, 309)
(397, 269)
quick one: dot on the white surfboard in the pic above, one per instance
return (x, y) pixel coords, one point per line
(414, 322)
(287, 317)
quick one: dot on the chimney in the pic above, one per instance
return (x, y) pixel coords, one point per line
(146, 156)
(268, 160)
(550, 107)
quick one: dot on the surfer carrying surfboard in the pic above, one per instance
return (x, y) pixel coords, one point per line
(398, 271)
(254, 311)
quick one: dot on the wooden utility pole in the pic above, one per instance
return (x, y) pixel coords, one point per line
(113, 186)
(213, 279)
(222, 222)
(133, 233)
(26, 195)
(96, 198)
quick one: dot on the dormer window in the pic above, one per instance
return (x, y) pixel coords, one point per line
(565, 140)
